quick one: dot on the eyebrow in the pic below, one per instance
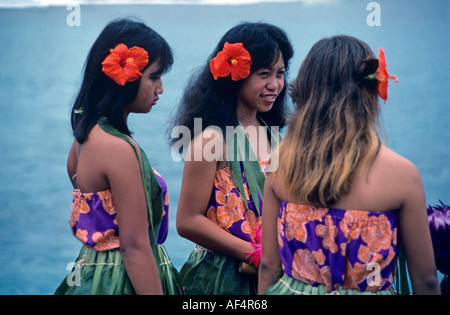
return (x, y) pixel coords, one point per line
(274, 69)
(157, 72)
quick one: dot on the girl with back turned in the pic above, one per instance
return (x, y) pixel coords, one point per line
(341, 201)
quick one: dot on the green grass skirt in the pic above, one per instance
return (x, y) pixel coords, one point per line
(211, 273)
(103, 273)
(290, 286)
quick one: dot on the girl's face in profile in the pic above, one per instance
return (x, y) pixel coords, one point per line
(260, 90)
(150, 87)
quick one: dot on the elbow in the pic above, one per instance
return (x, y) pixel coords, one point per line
(270, 267)
(426, 285)
(131, 250)
(182, 227)
(189, 226)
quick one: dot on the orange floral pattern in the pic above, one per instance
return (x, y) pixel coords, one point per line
(108, 240)
(227, 209)
(106, 198)
(338, 248)
(93, 220)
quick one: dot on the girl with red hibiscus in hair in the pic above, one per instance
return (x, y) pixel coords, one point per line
(242, 86)
(341, 203)
(120, 203)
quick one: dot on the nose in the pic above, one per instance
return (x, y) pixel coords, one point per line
(274, 83)
(159, 87)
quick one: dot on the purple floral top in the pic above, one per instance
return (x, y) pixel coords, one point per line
(93, 218)
(227, 209)
(335, 247)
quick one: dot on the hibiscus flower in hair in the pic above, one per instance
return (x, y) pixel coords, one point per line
(124, 65)
(234, 59)
(383, 76)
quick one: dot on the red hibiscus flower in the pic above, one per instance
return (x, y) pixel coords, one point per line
(383, 76)
(234, 59)
(124, 65)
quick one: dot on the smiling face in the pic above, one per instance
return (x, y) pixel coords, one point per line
(150, 87)
(259, 91)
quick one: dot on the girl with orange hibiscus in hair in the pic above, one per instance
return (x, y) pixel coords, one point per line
(353, 199)
(242, 86)
(120, 205)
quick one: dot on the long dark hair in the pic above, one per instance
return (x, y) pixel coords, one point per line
(333, 131)
(99, 95)
(215, 101)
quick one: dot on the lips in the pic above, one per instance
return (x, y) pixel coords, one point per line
(154, 101)
(269, 97)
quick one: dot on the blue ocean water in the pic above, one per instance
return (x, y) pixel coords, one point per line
(41, 60)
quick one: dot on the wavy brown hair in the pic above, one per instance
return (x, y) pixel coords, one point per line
(333, 131)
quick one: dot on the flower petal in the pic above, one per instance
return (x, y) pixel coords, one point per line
(234, 59)
(123, 64)
(382, 89)
(140, 57)
(383, 76)
(132, 72)
(219, 66)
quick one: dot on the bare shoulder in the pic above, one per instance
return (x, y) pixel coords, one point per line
(397, 164)
(276, 181)
(211, 136)
(398, 176)
(207, 146)
(72, 161)
(107, 151)
(108, 144)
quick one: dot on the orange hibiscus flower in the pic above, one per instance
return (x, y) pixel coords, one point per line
(251, 224)
(107, 200)
(328, 232)
(377, 234)
(107, 241)
(223, 181)
(234, 59)
(352, 224)
(304, 266)
(353, 275)
(295, 226)
(383, 76)
(82, 235)
(233, 211)
(124, 65)
(79, 204)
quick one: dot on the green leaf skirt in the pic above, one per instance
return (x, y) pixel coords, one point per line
(211, 273)
(290, 286)
(103, 273)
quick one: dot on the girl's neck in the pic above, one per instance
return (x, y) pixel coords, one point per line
(247, 117)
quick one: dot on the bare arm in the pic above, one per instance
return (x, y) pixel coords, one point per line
(415, 236)
(72, 162)
(197, 185)
(270, 267)
(123, 173)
